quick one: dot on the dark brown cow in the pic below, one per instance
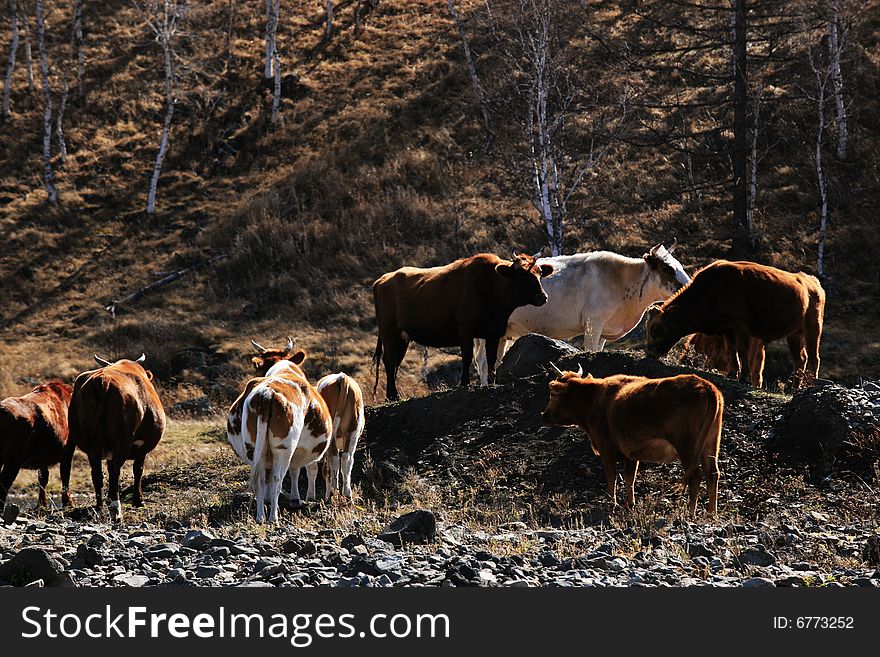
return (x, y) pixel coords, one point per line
(33, 432)
(115, 415)
(641, 419)
(450, 306)
(716, 351)
(744, 300)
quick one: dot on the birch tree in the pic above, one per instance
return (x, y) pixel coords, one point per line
(742, 235)
(545, 96)
(24, 19)
(13, 51)
(328, 27)
(48, 175)
(836, 33)
(163, 22)
(272, 11)
(276, 62)
(822, 71)
(79, 43)
(72, 47)
(476, 86)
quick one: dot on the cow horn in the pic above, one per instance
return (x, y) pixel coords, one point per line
(674, 244)
(101, 361)
(289, 346)
(258, 348)
(142, 358)
(556, 369)
(580, 370)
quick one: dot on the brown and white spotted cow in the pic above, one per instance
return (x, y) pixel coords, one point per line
(279, 422)
(33, 432)
(346, 403)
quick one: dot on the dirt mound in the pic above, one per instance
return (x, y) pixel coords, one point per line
(831, 426)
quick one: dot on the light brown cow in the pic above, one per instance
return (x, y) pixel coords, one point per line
(33, 433)
(716, 351)
(641, 419)
(744, 300)
(279, 423)
(346, 403)
(115, 415)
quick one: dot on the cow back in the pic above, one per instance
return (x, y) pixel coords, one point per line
(34, 427)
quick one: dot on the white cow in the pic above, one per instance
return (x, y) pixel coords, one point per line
(600, 295)
(345, 402)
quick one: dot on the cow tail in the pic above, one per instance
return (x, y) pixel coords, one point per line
(710, 433)
(263, 402)
(377, 357)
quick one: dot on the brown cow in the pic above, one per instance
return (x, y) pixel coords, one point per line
(266, 358)
(451, 305)
(346, 404)
(641, 419)
(115, 415)
(744, 300)
(715, 350)
(33, 432)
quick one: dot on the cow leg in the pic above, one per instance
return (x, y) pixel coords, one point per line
(709, 466)
(97, 481)
(114, 467)
(610, 463)
(346, 466)
(812, 334)
(276, 476)
(630, 469)
(7, 477)
(312, 476)
(43, 480)
(757, 355)
(137, 469)
(491, 357)
(694, 490)
(331, 472)
(798, 357)
(742, 351)
(732, 357)
(480, 361)
(393, 353)
(467, 356)
(294, 486)
(592, 335)
(64, 468)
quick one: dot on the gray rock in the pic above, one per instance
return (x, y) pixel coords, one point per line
(418, 526)
(530, 355)
(10, 513)
(197, 539)
(756, 582)
(32, 564)
(127, 579)
(206, 572)
(756, 556)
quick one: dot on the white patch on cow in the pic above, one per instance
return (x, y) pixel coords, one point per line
(680, 274)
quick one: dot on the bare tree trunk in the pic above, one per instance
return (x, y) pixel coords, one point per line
(741, 236)
(65, 93)
(753, 178)
(835, 48)
(229, 27)
(49, 176)
(276, 64)
(479, 93)
(13, 51)
(821, 173)
(328, 28)
(271, 29)
(357, 17)
(165, 33)
(80, 46)
(28, 57)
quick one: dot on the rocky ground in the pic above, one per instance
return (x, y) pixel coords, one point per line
(494, 498)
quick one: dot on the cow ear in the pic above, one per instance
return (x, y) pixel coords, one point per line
(546, 270)
(505, 271)
(257, 361)
(588, 376)
(149, 375)
(298, 357)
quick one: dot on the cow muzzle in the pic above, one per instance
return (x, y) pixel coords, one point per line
(539, 299)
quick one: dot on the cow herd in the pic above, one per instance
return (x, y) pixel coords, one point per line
(282, 423)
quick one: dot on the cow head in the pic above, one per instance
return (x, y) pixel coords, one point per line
(562, 409)
(524, 276)
(661, 329)
(668, 272)
(266, 358)
(140, 361)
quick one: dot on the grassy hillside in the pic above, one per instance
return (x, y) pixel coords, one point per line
(378, 162)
